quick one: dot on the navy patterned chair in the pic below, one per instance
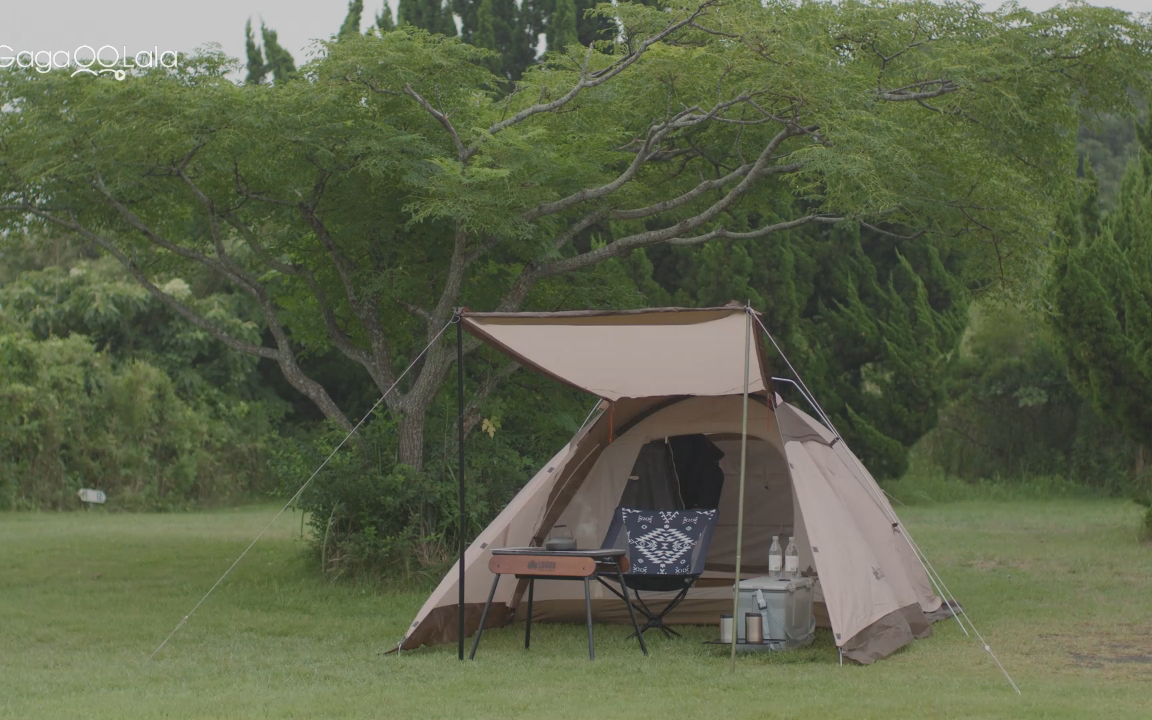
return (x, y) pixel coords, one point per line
(666, 553)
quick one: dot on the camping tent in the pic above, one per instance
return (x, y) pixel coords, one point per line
(672, 383)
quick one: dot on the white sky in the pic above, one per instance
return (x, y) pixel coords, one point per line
(63, 25)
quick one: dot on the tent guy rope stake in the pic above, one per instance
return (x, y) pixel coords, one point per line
(298, 493)
(946, 595)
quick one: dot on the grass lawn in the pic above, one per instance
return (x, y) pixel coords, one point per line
(1061, 590)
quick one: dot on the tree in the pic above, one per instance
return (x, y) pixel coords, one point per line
(359, 207)
(869, 320)
(1102, 298)
(384, 20)
(562, 25)
(431, 15)
(257, 70)
(500, 28)
(351, 24)
(279, 60)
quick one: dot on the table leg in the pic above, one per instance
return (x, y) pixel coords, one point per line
(484, 617)
(588, 609)
(631, 610)
(528, 621)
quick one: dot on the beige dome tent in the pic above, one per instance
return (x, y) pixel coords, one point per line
(670, 373)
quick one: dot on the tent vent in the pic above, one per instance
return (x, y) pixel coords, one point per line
(483, 546)
(834, 441)
(551, 469)
(815, 549)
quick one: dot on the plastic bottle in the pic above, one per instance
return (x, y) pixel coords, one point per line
(792, 559)
(775, 558)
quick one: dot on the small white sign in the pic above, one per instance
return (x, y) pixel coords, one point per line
(92, 496)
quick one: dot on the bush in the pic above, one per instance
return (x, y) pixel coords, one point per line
(370, 515)
(933, 486)
(1014, 414)
(70, 418)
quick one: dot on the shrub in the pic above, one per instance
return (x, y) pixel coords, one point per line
(70, 417)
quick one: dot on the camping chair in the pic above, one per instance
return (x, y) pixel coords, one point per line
(666, 553)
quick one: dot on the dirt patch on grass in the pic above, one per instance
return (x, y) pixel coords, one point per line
(997, 564)
(1126, 648)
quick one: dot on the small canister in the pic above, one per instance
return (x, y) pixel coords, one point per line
(753, 628)
(726, 628)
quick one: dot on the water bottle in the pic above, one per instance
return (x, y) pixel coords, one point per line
(775, 558)
(792, 559)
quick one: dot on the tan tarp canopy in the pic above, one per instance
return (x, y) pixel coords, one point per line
(634, 354)
(872, 591)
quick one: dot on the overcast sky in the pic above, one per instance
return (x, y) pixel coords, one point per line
(63, 25)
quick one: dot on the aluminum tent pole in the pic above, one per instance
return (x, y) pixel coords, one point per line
(460, 469)
(740, 501)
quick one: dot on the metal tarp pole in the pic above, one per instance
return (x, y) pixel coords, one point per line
(460, 470)
(740, 501)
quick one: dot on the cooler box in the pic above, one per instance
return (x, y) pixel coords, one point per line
(785, 606)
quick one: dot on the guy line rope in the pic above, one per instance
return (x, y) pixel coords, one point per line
(307, 482)
(933, 576)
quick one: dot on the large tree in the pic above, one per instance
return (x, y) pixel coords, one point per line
(867, 317)
(1102, 301)
(392, 183)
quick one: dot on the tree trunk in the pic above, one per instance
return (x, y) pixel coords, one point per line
(412, 434)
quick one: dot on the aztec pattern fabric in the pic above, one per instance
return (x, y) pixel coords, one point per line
(661, 542)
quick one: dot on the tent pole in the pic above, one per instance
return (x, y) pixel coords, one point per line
(740, 501)
(460, 469)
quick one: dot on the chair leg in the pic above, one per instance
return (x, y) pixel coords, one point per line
(631, 610)
(528, 623)
(484, 617)
(588, 610)
(656, 619)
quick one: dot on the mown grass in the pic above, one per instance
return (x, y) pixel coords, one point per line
(1061, 589)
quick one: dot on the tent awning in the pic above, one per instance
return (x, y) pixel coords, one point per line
(630, 353)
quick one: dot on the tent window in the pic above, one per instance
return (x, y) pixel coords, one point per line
(675, 473)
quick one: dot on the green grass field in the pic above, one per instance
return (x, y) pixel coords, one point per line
(1061, 590)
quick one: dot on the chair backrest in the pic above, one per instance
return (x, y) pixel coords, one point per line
(662, 542)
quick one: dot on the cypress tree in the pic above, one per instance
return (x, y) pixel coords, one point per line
(431, 15)
(351, 24)
(384, 19)
(468, 10)
(562, 26)
(257, 70)
(500, 26)
(279, 60)
(867, 320)
(1102, 296)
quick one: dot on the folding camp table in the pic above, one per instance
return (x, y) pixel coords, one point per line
(539, 564)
